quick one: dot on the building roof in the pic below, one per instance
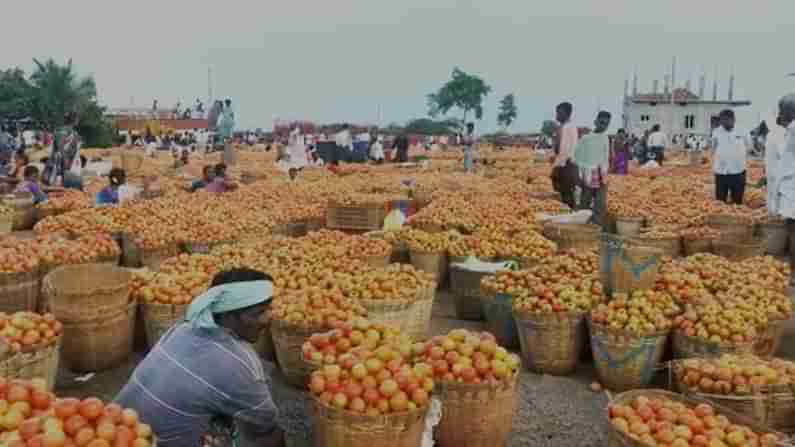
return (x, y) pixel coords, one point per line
(680, 96)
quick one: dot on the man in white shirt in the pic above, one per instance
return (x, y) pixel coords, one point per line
(780, 164)
(656, 144)
(564, 171)
(730, 149)
(343, 138)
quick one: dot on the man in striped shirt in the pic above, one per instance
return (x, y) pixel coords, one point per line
(203, 371)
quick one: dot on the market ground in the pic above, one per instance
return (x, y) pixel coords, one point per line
(551, 411)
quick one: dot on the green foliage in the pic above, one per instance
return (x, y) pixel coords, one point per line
(464, 92)
(48, 94)
(428, 126)
(15, 95)
(508, 112)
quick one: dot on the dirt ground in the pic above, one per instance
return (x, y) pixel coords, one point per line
(551, 411)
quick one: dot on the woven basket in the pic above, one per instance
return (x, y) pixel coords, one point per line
(130, 254)
(571, 236)
(6, 223)
(340, 428)
(152, 258)
(739, 249)
(419, 325)
(159, 318)
(628, 226)
(315, 224)
(772, 406)
(625, 361)
(433, 263)
(687, 347)
(296, 229)
(670, 247)
(692, 246)
(770, 340)
(42, 363)
(379, 262)
(99, 344)
(202, 247)
(616, 438)
(498, 313)
(87, 291)
(551, 343)
(400, 251)
(777, 237)
(730, 225)
(465, 285)
(395, 313)
(24, 212)
(19, 292)
(625, 267)
(287, 342)
(475, 415)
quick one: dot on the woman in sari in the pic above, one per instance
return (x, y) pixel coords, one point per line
(620, 154)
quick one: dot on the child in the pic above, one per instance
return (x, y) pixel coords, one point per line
(30, 184)
(592, 157)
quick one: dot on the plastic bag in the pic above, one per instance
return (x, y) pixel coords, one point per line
(474, 264)
(580, 217)
(432, 419)
(394, 220)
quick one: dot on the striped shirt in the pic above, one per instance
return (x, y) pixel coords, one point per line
(191, 377)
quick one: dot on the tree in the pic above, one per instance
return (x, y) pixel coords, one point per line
(427, 126)
(15, 95)
(508, 111)
(56, 90)
(464, 92)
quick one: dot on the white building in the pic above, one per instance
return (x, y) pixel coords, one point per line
(680, 113)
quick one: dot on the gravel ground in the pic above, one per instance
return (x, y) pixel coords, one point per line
(551, 411)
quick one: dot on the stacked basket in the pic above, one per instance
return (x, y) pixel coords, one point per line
(571, 236)
(93, 302)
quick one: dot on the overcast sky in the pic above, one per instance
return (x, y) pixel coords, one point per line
(341, 60)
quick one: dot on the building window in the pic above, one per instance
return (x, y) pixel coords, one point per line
(644, 118)
(690, 121)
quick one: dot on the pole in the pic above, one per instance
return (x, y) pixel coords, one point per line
(209, 86)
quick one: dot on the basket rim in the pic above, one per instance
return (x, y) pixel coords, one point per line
(485, 386)
(381, 417)
(603, 328)
(678, 333)
(525, 315)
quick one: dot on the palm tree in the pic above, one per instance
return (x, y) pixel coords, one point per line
(58, 89)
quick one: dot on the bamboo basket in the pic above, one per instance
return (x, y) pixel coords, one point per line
(314, 224)
(86, 291)
(100, 343)
(433, 263)
(419, 325)
(625, 361)
(773, 406)
(618, 439)
(202, 247)
(625, 267)
(476, 415)
(465, 285)
(41, 363)
(686, 347)
(770, 340)
(296, 229)
(739, 249)
(130, 254)
(498, 313)
(776, 235)
(670, 247)
(378, 261)
(628, 226)
(288, 340)
(24, 212)
(395, 313)
(692, 246)
(152, 258)
(400, 251)
(551, 344)
(340, 428)
(6, 223)
(159, 318)
(571, 236)
(19, 292)
(730, 225)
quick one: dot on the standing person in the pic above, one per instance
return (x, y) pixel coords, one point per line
(592, 156)
(65, 155)
(564, 171)
(620, 154)
(780, 164)
(343, 138)
(377, 150)
(656, 143)
(401, 148)
(203, 376)
(226, 129)
(730, 148)
(198, 109)
(469, 147)
(296, 149)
